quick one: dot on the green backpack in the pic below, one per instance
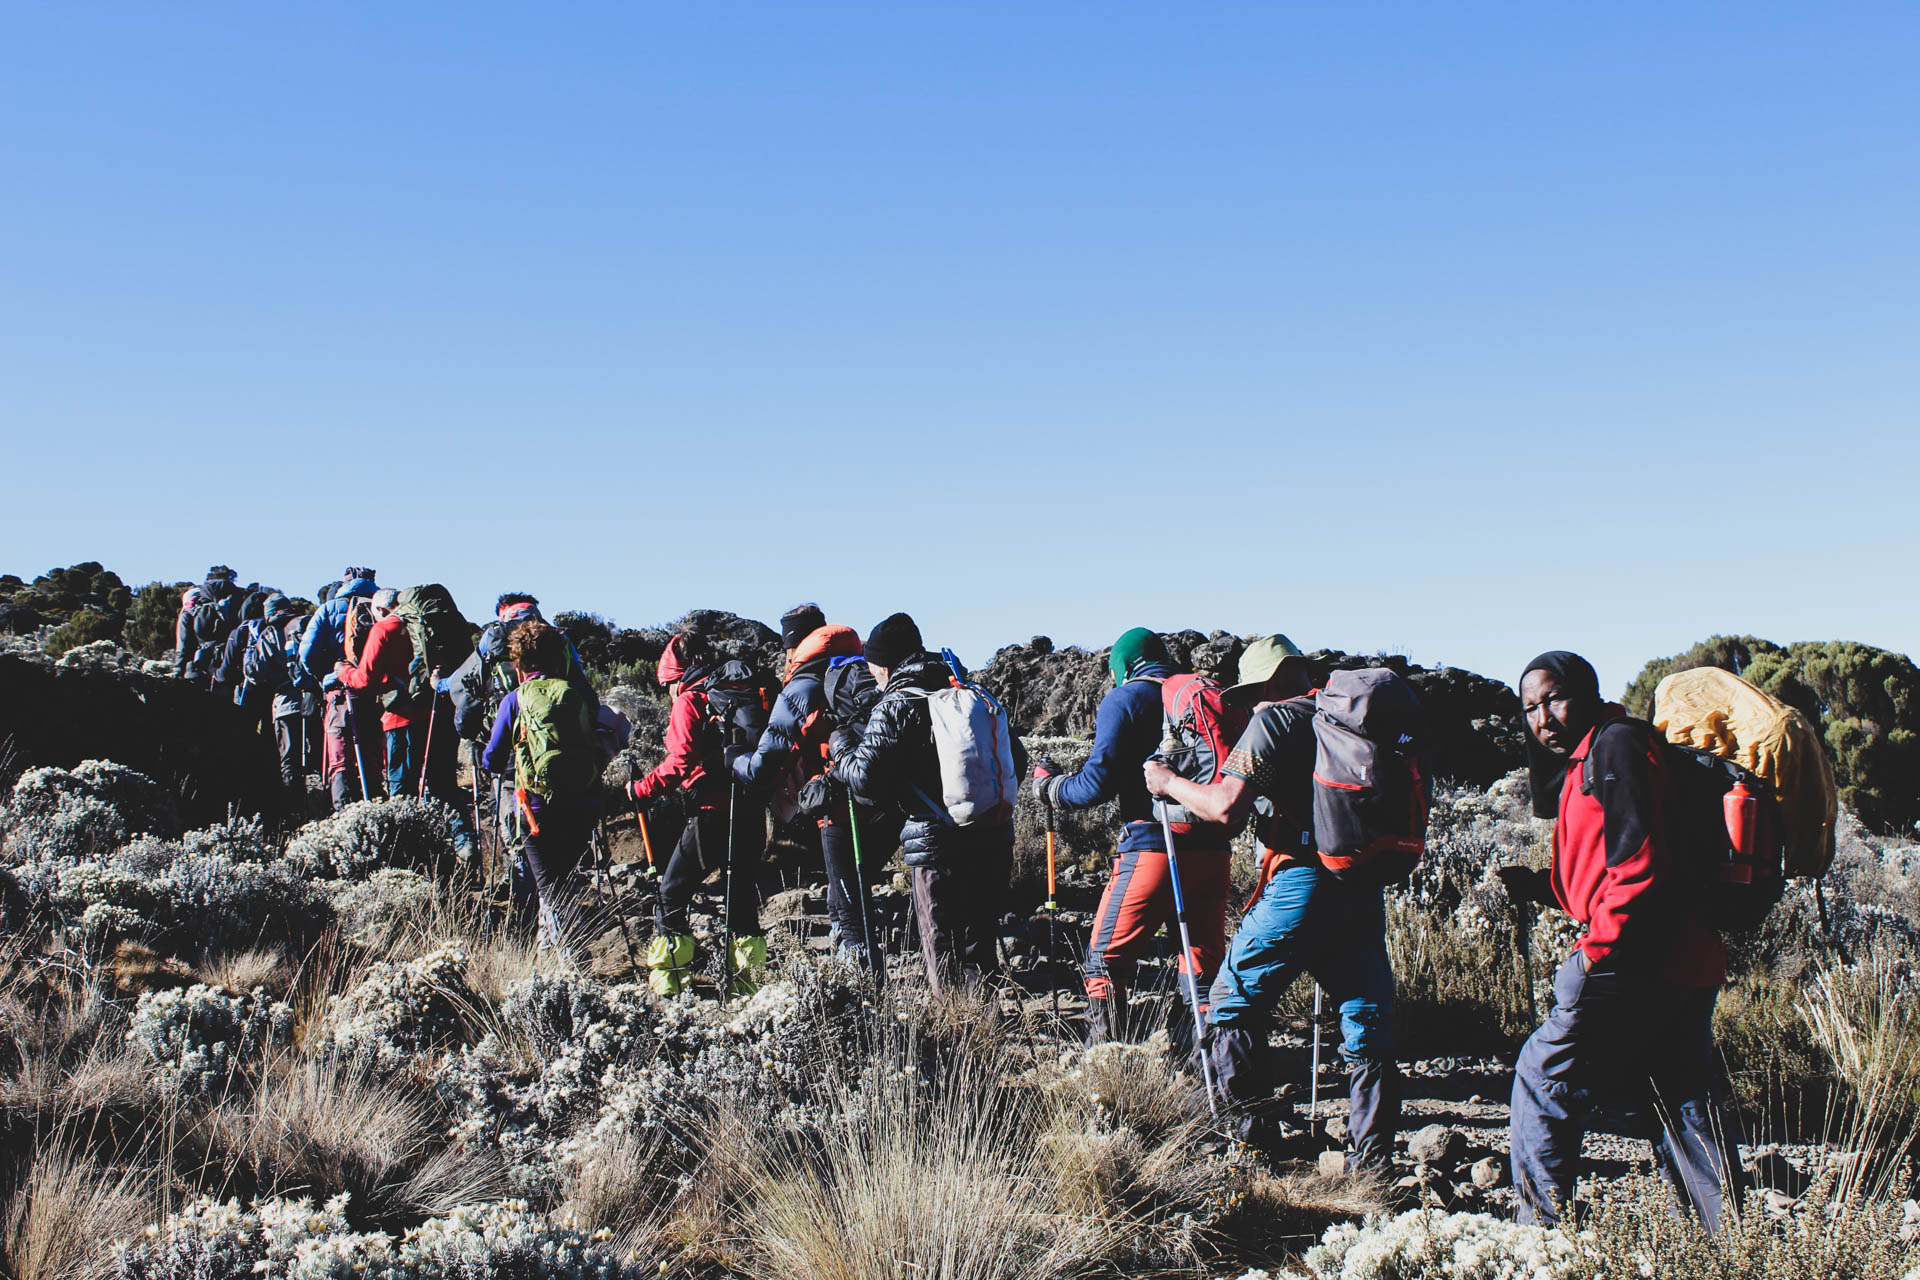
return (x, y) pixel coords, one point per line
(442, 639)
(554, 752)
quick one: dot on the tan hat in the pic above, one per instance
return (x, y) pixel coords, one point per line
(1258, 662)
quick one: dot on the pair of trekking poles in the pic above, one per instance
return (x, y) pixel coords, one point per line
(1191, 973)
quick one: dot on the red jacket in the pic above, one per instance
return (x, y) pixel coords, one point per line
(384, 660)
(682, 768)
(1613, 865)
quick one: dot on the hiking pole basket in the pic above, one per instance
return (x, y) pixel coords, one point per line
(1186, 954)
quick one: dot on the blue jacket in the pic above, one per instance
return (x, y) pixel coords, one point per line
(780, 741)
(326, 640)
(1126, 731)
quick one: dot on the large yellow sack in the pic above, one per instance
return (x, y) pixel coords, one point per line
(1713, 710)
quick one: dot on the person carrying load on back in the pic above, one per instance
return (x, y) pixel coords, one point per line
(188, 661)
(543, 738)
(1138, 899)
(269, 680)
(940, 753)
(337, 633)
(726, 827)
(387, 671)
(791, 759)
(1632, 1017)
(228, 675)
(1304, 919)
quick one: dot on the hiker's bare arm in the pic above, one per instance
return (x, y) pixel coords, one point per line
(1227, 799)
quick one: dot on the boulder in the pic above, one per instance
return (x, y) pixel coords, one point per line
(1438, 1146)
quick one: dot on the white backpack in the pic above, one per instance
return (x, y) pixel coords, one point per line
(973, 738)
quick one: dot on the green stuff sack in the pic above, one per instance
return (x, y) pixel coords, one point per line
(442, 639)
(555, 753)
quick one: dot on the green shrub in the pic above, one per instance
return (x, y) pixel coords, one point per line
(82, 628)
(151, 619)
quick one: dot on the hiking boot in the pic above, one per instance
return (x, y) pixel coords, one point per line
(669, 958)
(1107, 1017)
(746, 967)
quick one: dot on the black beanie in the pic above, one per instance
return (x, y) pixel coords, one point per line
(892, 641)
(799, 622)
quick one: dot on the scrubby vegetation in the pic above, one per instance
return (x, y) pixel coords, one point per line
(227, 1050)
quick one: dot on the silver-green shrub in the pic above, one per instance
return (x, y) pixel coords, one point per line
(203, 1040)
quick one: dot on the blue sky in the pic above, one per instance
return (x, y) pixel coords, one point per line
(1460, 330)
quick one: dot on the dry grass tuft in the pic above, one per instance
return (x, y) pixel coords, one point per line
(245, 971)
(63, 1224)
(318, 1127)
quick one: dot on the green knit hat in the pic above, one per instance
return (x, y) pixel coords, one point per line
(1133, 650)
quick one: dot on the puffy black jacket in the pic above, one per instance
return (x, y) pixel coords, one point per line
(895, 768)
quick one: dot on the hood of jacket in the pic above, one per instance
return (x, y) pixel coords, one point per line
(820, 647)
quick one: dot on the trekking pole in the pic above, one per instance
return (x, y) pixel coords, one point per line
(353, 732)
(426, 752)
(1313, 1091)
(1523, 934)
(860, 884)
(486, 867)
(607, 903)
(1186, 951)
(1053, 930)
(726, 905)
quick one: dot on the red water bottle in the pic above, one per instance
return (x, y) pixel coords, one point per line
(1743, 830)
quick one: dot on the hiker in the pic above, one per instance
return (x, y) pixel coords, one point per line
(1632, 1017)
(543, 738)
(791, 755)
(346, 758)
(188, 661)
(269, 681)
(229, 667)
(1138, 898)
(726, 824)
(1304, 918)
(960, 871)
(383, 672)
(474, 690)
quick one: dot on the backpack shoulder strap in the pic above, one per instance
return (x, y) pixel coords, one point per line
(1639, 727)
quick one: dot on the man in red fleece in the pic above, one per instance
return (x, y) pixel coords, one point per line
(385, 660)
(1632, 1022)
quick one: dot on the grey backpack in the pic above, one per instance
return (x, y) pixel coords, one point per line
(1371, 782)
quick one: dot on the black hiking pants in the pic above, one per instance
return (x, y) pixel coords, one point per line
(701, 851)
(957, 906)
(848, 903)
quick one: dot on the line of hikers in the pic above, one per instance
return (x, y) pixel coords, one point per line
(884, 744)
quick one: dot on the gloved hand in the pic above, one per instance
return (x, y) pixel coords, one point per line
(1046, 780)
(731, 757)
(444, 685)
(841, 743)
(816, 797)
(1524, 884)
(329, 683)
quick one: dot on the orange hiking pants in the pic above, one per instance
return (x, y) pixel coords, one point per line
(1139, 899)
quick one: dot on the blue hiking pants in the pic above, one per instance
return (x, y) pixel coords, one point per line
(1309, 921)
(409, 752)
(1640, 1046)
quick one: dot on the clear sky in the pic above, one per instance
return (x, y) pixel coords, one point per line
(1460, 330)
